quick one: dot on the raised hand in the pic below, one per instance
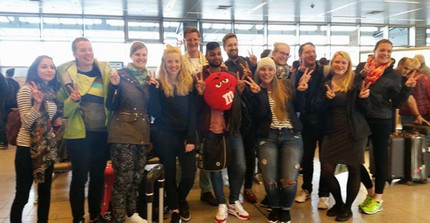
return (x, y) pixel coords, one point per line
(189, 147)
(252, 58)
(153, 80)
(74, 93)
(304, 80)
(253, 87)
(246, 70)
(35, 93)
(330, 92)
(114, 77)
(240, 82)
(364, 91)
(412, 79)
(365, 70)
(200, 83)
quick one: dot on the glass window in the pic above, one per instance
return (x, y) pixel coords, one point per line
(172, 33)
(19, 6)
(399, 36)
(55, 28)
(317, 34)
(282, 33)
(104, 30)
(20, 28)
(351, 50)
(144, 30)
(214, 32)
(369, 35)
(62, 7)
(340, 34)
(428, 37)
(250, 34)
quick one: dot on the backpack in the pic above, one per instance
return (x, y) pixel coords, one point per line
(13, 125)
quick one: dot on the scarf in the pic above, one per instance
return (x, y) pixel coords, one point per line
(375, 72)
(43, 148)
(141, 76)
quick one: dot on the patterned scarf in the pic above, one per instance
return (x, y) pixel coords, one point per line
(43, 147)
(141, 76)
(375, 72)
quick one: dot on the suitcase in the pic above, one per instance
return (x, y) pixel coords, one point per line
(154, 179)
(425, 130)
(109, 177)
(415, 163)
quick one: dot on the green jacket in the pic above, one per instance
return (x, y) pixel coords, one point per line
(67, 74)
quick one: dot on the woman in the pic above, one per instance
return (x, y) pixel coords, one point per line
(128, 132)
(386, 93)
(346, 131)
(36, 146)
(280, 144)
(172, 105)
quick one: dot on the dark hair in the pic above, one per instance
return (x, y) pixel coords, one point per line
(228, 36)
(10, 72)
(135, 46)
(211, 46)
(303, 45)
(191, 29)
(382, 41)
(323, 61)
(33, 76)
(265, 53)
(77, 40)
(296, 64)
(403, 60)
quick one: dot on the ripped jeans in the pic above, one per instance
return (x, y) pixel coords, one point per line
(280, 155)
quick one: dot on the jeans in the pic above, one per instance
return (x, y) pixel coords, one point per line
(87, 155)
(24, 181)
(280, 155)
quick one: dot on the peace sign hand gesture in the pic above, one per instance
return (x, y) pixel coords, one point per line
(36, 94)
(364, 91)
(304, 80)
(200, 84)
(240, 82)
(74, 93)
(246, 70)
(412, 79)
(252, 85)
(330, 92)
(114, 77)
(153, 80)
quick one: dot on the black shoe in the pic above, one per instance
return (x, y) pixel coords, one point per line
(98, 219)
(175, 218)
(273, 216)
(285, 216)
(333, 211)
(208, 198)
(344, 215)
(184, 211)
(265, 202)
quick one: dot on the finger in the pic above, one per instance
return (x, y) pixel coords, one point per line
(34, 86)
(76, 87)
(411, 76)
(249, 53)
(252, 51)
(250, 79)
(328, 87)
(70, 88)
(116, 69)
(248, 83)
(237, 75)
(418, 77)
(368, 85)
(247, 65)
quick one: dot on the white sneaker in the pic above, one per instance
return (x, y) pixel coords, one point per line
(323, 203)
(135, 218)
(303, 196)
(221, 215)
(237, 210)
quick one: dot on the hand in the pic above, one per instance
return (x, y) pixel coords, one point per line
(240, 82)
(58, 122)
(200, 84)
(189, 147)
(252, 58)
(330, 92)
(153, 80)
(114, 77)
(304, 80)
(246, 70)
(223, 66)
(253, 87)
(365, 70)
(364, 91)
(412, 79)
(302, 67)
(420, 120)
(74, 93)
(36, 94)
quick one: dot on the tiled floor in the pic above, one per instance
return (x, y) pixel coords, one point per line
(402, 203)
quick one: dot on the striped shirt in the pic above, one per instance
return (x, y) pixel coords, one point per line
(29, 115)
(276, 124)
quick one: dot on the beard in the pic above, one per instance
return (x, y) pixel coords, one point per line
(233, 55)
(215, 64)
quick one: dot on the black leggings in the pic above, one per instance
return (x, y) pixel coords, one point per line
(352, 188)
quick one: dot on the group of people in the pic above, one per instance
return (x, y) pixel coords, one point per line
(250, 106)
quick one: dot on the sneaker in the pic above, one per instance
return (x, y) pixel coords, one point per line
(285, 216)
(237, 210)
(208, 198)
(135, 218)
(273, 216)
(184, 211)
(221, 215)
(372, 207)
(344, 215)
(323, 203)
(365, 202)
(303, 196)
(250, 196)
(176, 218)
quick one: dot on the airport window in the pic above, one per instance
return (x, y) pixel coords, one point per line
(19, 28)
(281, 33)
(66, 29)
(316, 34)
(369, 35)
(172, 33)
(214, 32)
(148, 30)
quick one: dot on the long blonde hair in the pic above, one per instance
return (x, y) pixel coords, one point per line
(185, 80)
(347, 80)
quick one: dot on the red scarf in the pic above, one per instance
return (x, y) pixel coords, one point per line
(375, 72)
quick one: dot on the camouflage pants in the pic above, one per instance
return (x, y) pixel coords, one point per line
(129, 165)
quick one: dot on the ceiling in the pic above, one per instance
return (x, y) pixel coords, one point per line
(398, 12)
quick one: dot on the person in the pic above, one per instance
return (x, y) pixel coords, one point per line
(128, 98)
(281, 54)
(323, 61)
(84, 89)
(194, 60)
(266, 53)
(213, 122)
(343, 104)
(172, 105)
(312, 126)
(11, 101)
(423, 67)
(36, 144)
(4, 94)
(280, 146)
(386, 93)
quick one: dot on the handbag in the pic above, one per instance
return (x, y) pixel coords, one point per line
(13, 125)
(213, 153)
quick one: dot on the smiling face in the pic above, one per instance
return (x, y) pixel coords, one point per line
(173, 64)
(192, 41)
(46, 70)
(214, 57)
(139, 58)
(308, 55)
(383, 53)
(266, 74)
(281, 54)
(339, 65)
(84, 53)
(231, 48)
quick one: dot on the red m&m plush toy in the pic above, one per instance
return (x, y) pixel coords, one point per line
(220, 88)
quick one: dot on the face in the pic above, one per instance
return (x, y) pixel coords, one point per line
(405, 68)
(173, 64)
(214, 57)
(339, 65)
(46, 70)
(139, 58)
(281, 54)
(192, 41)
(383, 53)
(84, 53)
(266, 74)
(231, 48)
(308, 55)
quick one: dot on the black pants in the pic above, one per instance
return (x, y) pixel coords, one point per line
(250, 144)
(87, 155)
(24, 180)
(169, 145)
(381, 129)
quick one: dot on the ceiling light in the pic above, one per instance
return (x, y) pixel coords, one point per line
(257, 7)
(338, 8)
(170, 5)
(406, 12)
(416, 20)
(402, 2)
(348, 17)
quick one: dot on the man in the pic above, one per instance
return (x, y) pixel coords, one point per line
(4, 92)
(194, 61)
(280, 54)
(13, 90)
(423, 68)
(83, 92)
(236, 63)
(312, 125)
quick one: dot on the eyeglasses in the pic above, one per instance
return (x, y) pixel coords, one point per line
(284, 54)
